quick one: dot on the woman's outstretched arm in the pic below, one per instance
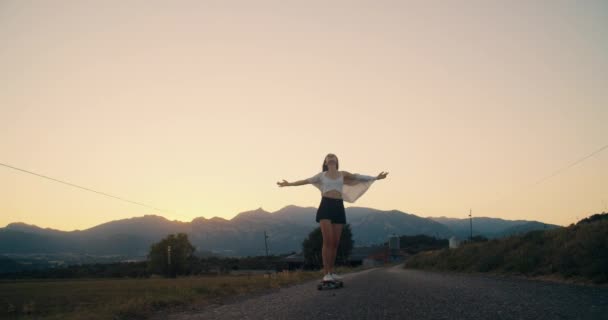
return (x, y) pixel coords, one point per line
(314, 179)
(362, 177)
(284, 183)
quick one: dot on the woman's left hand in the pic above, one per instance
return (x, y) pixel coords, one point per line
(382, 175)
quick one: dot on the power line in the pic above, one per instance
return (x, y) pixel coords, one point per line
(556, 172)
(85, 188)
(572, 164)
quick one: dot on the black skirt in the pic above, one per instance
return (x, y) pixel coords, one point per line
(332, 209)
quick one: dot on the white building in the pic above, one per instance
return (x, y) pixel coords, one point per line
(454, 242)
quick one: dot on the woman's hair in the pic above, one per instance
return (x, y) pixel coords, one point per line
(325, 168)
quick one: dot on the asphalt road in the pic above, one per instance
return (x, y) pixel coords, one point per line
(397, 293)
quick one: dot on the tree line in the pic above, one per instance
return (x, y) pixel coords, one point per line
(174, 255)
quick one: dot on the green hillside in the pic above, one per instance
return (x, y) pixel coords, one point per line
(579, 251)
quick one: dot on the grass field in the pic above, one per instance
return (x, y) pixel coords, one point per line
(126, 298)
(130, 298)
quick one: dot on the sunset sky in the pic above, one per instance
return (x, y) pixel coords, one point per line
(200, 107)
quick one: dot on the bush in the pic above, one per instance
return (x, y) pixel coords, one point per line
(579, 250)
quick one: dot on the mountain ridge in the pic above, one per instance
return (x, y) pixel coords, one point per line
(241, 235)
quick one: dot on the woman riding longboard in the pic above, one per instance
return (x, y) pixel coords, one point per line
(336, 187)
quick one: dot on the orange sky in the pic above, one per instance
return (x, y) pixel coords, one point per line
(201, 107)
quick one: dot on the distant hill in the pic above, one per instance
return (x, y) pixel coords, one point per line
(491, 227)
(372, 226)
(239, 236)
(578, 251)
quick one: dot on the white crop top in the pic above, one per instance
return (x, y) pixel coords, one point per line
(351, 190)
(332, 184)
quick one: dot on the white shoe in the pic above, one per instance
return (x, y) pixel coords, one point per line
(336, 276)
(328, 277)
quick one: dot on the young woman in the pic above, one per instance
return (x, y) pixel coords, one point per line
(336, 187)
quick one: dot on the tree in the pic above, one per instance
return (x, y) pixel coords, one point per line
(312, 245)
(181, 255)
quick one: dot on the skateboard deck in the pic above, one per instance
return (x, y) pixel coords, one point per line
(330, 284)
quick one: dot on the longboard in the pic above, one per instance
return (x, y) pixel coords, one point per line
(330, 284)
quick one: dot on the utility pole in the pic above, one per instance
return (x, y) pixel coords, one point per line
(471, 223)
(266, 245)
(169, 260)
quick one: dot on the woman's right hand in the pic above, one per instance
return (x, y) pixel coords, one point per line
(283, 183)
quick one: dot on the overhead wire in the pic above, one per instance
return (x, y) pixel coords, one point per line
(523, 188)
(87, 189)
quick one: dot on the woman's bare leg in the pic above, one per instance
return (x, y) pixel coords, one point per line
(326, 251)
(336, 233)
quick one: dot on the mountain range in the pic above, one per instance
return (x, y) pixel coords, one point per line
(490, 227)
(243, 234)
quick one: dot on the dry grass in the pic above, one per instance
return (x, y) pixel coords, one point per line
(127, 298)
